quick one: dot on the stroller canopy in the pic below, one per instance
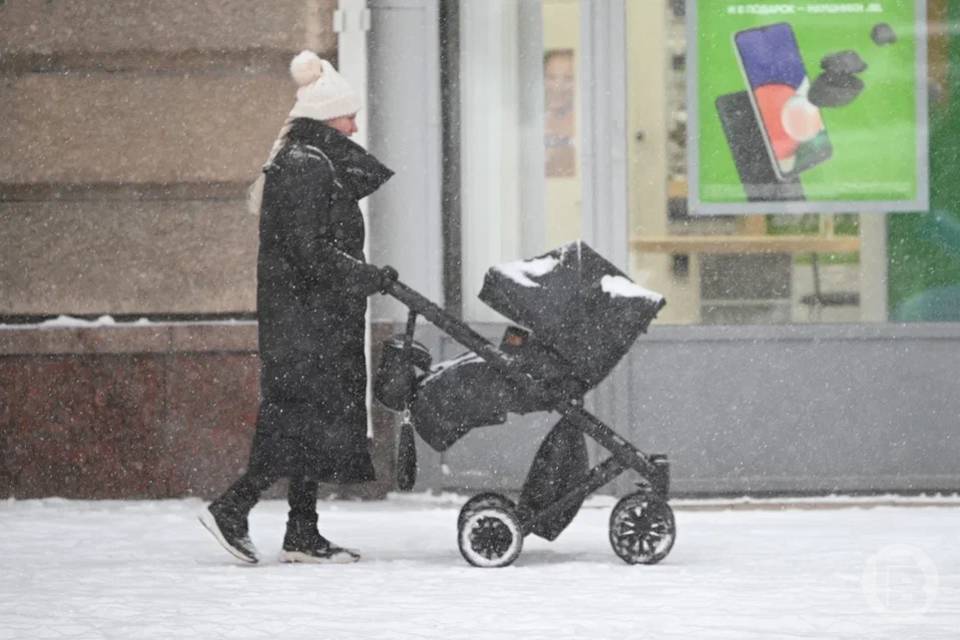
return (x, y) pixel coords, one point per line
(575, 303)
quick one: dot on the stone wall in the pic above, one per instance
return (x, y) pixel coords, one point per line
(128, 257)
(127, 411)
(131, 131)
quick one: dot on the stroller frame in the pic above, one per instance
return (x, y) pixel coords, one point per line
(642, 527)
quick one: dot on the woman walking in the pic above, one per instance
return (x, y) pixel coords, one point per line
(312, 423)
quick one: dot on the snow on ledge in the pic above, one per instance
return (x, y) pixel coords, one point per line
(621, 287)
(70, 321)
(522, 270)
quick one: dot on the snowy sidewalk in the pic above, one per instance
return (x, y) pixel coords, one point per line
(148, 570)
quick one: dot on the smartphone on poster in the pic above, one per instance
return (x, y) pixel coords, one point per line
(793, 129)
(745, 140)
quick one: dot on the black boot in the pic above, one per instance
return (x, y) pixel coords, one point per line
(229, 527)
(303, 543)
(226, 517)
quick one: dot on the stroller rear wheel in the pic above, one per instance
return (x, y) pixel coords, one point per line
(489, 533)
(642, 528)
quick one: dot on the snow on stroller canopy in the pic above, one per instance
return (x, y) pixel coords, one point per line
(619, 286)
(522, 270)
(586, 310)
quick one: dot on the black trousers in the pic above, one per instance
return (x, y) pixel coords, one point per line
(245, 493)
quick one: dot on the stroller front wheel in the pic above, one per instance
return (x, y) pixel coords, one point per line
(642, 528)
(489, 534)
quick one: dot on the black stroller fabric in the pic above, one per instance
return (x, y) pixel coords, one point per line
(456, 397)
(577, 303)
(582, 314)
(561, 465)
(395, 381)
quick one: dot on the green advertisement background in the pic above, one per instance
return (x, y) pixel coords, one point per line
(874, 138)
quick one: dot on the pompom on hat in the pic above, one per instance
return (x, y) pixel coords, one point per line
(323, 94)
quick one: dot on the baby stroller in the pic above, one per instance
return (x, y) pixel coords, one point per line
(578, 317)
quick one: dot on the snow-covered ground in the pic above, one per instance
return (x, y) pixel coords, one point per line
(148, 570)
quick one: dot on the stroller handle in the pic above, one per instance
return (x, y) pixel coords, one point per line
(456, 329)
(433, 313)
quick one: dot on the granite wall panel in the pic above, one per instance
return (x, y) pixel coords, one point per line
(132, 129)
(45, 27)
(84, 427)
(11, 388)
(88, 127)
(211, 419)
(127, 257)
(161, 411)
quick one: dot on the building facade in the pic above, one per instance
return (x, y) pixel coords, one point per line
(797, 353)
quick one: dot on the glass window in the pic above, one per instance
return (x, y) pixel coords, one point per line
(763, 268)
(501, 137)
(561, 128)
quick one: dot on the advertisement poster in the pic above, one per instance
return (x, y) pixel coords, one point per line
(806, 106)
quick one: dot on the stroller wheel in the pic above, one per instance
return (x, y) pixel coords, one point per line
(489, 535)
(642, 529)
(481, 500)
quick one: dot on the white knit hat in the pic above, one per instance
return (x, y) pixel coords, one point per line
(323, 93)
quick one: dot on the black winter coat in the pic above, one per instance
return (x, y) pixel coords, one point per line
(313, 417)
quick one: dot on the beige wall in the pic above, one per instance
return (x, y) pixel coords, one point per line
(131, 129)
(127, 257)
(128, 127)
(43, 27)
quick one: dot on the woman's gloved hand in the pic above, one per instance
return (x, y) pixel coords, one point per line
(388, 275)
(371, 279)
